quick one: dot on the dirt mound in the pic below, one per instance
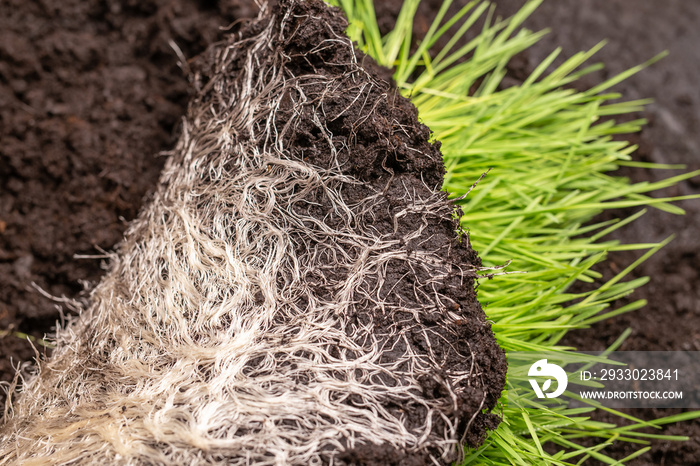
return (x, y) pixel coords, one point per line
(294, 291)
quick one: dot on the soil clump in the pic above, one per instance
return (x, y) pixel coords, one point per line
(298, 248)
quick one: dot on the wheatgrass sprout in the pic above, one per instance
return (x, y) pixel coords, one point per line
(548, 150)
(295, 293)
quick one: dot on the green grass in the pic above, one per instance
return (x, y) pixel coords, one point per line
(548, 151)
(8, 332)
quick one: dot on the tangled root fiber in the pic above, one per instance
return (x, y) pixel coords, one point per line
(294, 293)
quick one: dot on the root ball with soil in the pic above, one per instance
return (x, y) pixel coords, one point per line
(295, 292)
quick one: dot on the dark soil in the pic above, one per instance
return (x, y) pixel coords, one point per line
(91, 91)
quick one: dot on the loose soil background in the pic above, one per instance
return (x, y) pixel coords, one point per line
(90, 93)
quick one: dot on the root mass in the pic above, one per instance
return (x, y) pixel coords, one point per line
(296, 291)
